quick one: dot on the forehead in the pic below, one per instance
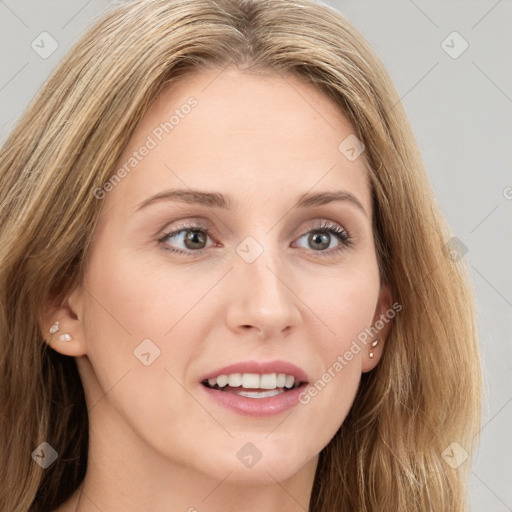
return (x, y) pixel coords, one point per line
(256, 137)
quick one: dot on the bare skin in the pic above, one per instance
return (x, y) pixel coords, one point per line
(158, 442)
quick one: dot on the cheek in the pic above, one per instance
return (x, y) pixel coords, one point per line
(133, 310)
(346, 307)
(138, 318)
(350, 306)
(133, 298)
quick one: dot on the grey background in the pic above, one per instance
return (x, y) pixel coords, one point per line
(460, 110)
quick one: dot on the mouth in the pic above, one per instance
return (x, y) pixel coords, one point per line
(254, 385)
(256, 388)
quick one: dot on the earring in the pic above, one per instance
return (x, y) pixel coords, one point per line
(54, 328)
(374, 344)
(63, 337)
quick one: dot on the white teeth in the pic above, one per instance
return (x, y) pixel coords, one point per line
(251, 380)
(222, 380)
(260, 394)
(268, 381)
(254, 381)
(235, 380)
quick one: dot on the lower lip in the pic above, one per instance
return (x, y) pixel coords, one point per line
(268, 406)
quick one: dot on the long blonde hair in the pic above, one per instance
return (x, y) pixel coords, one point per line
(425, 392)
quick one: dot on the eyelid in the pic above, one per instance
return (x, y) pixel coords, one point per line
(189, 222)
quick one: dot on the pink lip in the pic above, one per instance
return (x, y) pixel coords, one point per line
(246, 406)
(260, 367)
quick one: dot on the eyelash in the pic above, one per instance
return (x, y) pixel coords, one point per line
(341, 234)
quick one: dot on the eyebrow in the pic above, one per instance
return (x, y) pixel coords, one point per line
(218, 200)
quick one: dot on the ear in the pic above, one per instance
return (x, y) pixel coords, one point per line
(61, 324)
(381, 325)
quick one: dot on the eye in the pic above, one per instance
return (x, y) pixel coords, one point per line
(321, 237)
(195, 236)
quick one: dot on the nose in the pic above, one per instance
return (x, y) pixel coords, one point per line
(263, 299)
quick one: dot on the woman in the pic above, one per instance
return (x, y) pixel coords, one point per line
(173, 336)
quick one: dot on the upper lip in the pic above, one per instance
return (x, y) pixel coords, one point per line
(261, 367)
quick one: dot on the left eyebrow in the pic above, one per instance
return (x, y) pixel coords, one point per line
(218, 200)
(209, 199)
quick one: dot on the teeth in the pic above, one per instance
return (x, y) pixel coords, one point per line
(251, 380)
(260, 394)
(289, 381)
(254, 381)
(268, 381)
(235, 380)
(222, 380)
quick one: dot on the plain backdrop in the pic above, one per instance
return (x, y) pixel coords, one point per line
(457, 91)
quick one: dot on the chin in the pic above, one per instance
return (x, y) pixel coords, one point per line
(264, 473)
(270, 462)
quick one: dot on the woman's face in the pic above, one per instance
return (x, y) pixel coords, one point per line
(179, 287)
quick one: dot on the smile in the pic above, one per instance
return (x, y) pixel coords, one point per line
(253, 385)
(254, 389)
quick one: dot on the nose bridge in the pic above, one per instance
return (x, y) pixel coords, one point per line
(263, 296)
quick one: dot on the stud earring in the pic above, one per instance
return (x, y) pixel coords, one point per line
(54, 328)
(374, 344)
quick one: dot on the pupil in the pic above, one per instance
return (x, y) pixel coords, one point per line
(191, 237)
(325, 237)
